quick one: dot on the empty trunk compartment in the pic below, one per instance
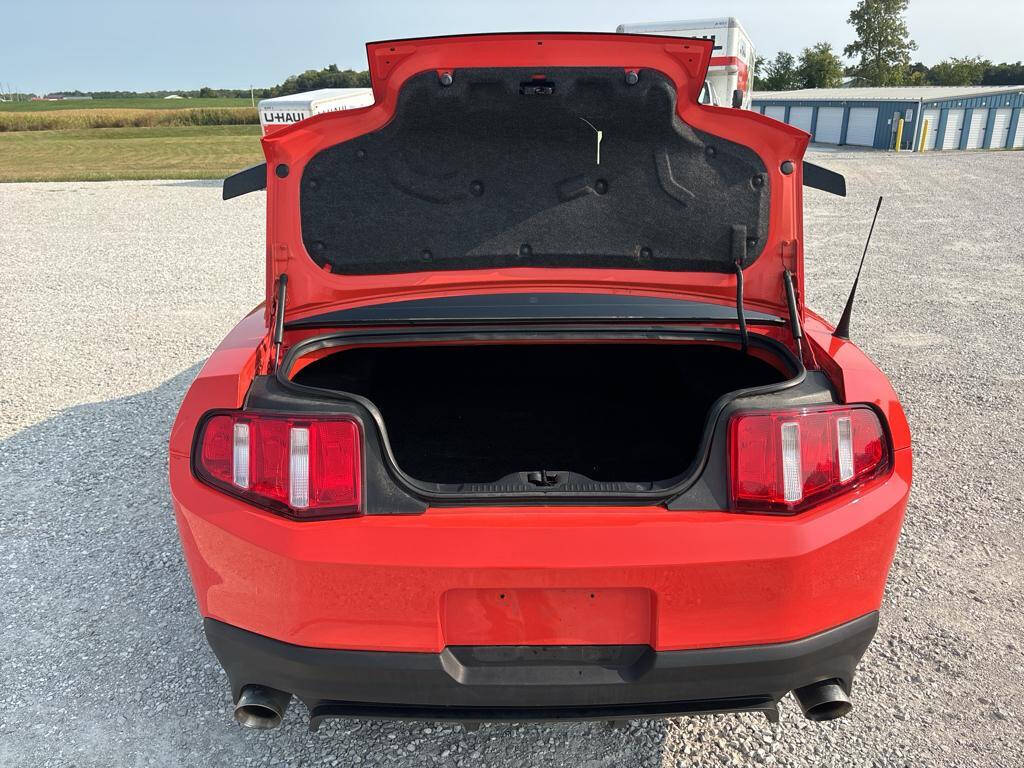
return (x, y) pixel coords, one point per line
(611, 412)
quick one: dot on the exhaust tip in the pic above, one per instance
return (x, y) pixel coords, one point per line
(823, 701)
(261, 707)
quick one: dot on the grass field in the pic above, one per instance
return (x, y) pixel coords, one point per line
(48, 106)
(75, 119)
(100, 154)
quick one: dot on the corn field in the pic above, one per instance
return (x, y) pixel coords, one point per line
(74, 119)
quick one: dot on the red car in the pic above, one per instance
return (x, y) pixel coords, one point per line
(534, 422)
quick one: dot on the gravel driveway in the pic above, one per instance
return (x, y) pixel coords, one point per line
(113, 295)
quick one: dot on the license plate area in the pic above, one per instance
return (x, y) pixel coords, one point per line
(532, 616)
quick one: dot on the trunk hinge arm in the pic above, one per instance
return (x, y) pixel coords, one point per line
(739, 255)
(794, 313)
(740, 317)
(278, 314)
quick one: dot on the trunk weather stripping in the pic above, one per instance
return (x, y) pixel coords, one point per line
(536, 307)
(537, 486)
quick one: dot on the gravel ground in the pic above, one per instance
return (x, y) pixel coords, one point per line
(115, 293)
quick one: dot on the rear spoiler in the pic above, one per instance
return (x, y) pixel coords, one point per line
(255, 178)
(817, 177)
(244, 182)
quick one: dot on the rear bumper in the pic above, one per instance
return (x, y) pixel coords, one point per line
(516, 683)
(671, 580)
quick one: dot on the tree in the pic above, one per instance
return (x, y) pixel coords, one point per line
(780, 73)
(757, 72)
(966, 70)
(820, 67)
(917, 74)
(883, 44)
(328, 77)
(1004, 74)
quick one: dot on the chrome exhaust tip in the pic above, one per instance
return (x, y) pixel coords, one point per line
(261, 707)
(823, 701)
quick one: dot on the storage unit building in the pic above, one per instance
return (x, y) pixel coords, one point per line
(801, 117)
(953, 129)
(937, 117)
(829, 129)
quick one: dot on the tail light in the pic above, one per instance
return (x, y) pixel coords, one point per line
(303, 467)
(784, 461)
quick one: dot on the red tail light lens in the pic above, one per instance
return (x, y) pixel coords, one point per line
(784, 461)
(302, 467)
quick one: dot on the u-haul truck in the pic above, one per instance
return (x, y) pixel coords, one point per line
(731, 58)
(278, 112)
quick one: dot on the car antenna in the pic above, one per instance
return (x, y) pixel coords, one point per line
(282, 293)
(842, 330)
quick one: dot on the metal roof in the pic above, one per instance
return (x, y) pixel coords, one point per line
(894, 93)
(722, 22)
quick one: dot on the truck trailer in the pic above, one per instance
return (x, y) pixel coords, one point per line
(732, 58)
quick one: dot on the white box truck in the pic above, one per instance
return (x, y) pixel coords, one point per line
(730, 75)
(284, 110)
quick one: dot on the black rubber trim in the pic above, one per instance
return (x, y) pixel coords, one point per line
(592, 492)
(539, 682)
(621, 712)
(242, 183)
(572, 33)
(536, 307)
(822, 178)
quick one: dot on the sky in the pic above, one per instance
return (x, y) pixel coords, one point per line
(142, 45)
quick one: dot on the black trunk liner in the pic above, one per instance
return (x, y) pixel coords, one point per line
(475, 414)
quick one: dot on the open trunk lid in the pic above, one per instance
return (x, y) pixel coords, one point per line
(534, 162)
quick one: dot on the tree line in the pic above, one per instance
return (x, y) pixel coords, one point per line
(328, 77)
(880, 55)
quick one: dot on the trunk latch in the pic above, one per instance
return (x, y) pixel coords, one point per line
(543, 478)
(537, 88)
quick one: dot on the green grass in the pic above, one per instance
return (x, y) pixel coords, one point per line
(100, 154)
(45, 106)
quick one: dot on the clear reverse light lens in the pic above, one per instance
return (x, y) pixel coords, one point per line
(240, 455)
(845, 434)
(792, 476)
(298, 465)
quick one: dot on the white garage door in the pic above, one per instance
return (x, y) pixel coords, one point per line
(932, 118)
(800, 117)
(1000, 128)
(778, 113)
(1018, 135)
(861, 129)
(976, 132)
(954, 127)
(830, 125)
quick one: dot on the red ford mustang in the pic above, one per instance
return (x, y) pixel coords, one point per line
(534, 423)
